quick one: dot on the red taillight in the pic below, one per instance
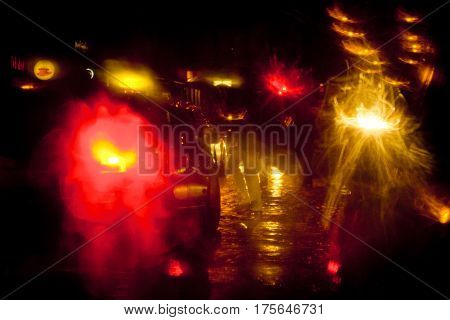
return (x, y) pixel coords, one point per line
(102, 177)
(333, 267)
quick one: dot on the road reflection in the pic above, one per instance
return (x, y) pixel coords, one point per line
(275, 181)
(279, 252)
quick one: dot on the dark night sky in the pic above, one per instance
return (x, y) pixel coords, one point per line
(213, 34)
(225, 34)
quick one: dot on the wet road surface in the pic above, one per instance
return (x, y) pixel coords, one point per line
(282, 252)
(278, 253)
(271, 254)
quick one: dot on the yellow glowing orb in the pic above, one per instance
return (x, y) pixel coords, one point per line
(372, 122)
(369, 121)
(129, 78)
(44, 69)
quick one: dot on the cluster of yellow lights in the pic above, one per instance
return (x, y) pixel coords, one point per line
(336, 13)
(347, 32)
(372, 143)
(358, 48)
(108, 155)
(417, 47)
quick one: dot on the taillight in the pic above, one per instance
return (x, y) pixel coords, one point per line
(100, 173)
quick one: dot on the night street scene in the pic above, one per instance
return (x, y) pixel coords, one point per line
(225, 151)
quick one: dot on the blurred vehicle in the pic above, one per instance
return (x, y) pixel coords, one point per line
(193, 200)
(200, 193)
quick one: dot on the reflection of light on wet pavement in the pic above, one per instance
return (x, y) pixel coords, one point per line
(271, 229)
(268, 274)
(275, 181)
(269, 249)
(285, 247)
(269, 240)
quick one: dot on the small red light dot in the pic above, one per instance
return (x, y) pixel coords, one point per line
(174, 268)
(333, 267)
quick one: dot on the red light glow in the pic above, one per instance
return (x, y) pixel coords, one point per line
(174, 268)
(101, 172)
(100, 185)
(284, 81)
(333, 267)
